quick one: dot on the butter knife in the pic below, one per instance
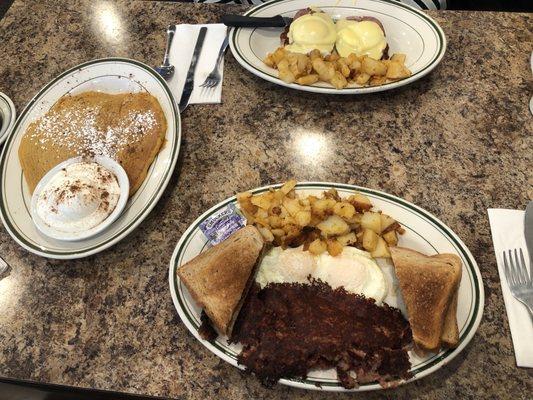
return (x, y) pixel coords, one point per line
(189, 81)
(243, 21)
(528, 228)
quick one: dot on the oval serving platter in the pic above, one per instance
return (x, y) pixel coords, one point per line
(110, 75)
(409, 31)
(424, 233)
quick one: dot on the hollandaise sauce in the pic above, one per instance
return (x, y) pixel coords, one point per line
(312, 31)
(361, 38)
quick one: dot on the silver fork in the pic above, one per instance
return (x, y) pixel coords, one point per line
(519, 281)
(213, 79)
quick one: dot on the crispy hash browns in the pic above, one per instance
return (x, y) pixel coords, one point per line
(326, 223)
(288, 329)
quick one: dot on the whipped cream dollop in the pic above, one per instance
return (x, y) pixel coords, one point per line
(78, 197)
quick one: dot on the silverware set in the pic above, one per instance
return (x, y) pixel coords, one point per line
(166, 70)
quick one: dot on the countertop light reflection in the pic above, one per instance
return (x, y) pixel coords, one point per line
(310, 146)
(108, 22)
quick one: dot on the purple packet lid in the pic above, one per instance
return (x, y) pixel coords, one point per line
(219, 226)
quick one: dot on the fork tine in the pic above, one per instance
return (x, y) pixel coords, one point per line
(514, 277)
(506, 270)
(528, 277)
(521, 267)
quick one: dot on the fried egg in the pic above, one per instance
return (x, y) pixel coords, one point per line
(361, 38)
(312, 31)
(353, 269)
(286, 266)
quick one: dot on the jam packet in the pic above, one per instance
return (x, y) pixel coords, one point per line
(219, 226)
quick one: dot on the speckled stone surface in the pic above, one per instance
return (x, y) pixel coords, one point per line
(456, 142)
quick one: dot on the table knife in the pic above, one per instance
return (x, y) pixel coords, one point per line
(243, 21)
(528, 228)
(189, 81)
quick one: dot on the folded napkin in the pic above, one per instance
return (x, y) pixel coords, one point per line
(180, 56)
(507, 227)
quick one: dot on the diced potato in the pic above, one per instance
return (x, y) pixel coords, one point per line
(386, 222)
(362, 78)
(370, 239)
(371, 220)
(334, 247)
(354, 219)
(349, 238)
(381, 250)
(278, 232)
(292, 206)
(288, 186)
(260, 213)
(261, 201)
(269, 61)
(286, 76)
(275, 221)
(307, 80)
(377, 80)
(333, 226)
(398, 57)
(396, 70)
(323, 206)
(342, 67)
(391, 238)
(315, 54)
(288, 220)
(267, 235)
(338, 80)
(303, 218)
(324, 69)
(344, 210)
(360, 202)
(278, 55)
(332, 57)
(243, 195)
(373, 67)
(317, 247)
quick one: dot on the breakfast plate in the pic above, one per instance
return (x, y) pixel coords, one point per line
(111, 75)
(408, 31)
(424, 233)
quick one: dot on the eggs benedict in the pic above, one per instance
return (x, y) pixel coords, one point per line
(364, 37)
(311, 31)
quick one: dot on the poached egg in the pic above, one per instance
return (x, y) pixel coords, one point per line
(353, 269)
(312, 31)
(361, 38)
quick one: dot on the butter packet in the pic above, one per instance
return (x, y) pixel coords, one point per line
(219, 226)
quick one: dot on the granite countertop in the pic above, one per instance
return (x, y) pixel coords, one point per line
(456, 142)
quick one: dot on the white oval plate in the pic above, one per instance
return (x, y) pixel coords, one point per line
(424, 233)
(408, 30)
(111, 75)
(123, 184)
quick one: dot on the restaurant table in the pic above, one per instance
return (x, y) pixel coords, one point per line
(456, 142)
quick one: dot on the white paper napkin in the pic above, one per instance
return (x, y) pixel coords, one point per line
(507, 228)
(180, 56)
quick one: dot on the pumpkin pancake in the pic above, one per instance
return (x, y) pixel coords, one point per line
(129, 127)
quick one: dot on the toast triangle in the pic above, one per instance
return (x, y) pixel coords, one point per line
(219, 278)
(428, 285)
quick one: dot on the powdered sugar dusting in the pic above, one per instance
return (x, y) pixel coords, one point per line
(86, 131)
